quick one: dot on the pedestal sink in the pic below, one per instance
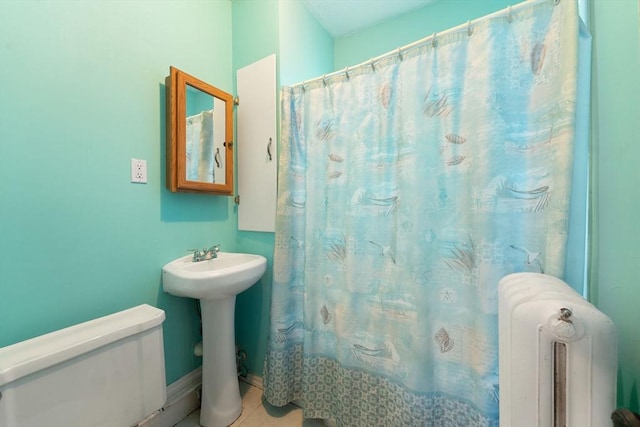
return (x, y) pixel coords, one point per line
(216, 282)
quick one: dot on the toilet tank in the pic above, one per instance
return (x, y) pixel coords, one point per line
(105, 372)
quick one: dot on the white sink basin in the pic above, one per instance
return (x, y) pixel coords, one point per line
(217, 278)
(216, 282)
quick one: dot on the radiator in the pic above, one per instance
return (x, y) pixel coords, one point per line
(557, 355)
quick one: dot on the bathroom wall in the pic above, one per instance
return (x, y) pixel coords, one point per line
(304, 50)
(255, 36)
(358, 47)
(81, 93)
(615, 263)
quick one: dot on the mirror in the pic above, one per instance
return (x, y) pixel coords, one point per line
(199, 136)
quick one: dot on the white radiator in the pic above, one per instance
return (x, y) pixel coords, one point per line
(558, 356)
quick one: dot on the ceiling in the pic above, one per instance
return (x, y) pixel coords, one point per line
(341, 17)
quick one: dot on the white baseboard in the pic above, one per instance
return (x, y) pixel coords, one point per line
(183, 397)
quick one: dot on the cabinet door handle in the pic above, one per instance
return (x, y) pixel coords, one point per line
(269, 149)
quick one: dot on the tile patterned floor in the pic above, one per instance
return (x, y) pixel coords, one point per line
(258, 413)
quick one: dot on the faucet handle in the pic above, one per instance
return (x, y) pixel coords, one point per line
(212, 252)
(212, 249)
(197, 255)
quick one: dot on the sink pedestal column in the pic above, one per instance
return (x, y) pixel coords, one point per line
(221, 401)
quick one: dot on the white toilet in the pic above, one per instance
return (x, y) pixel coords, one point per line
(107, 372)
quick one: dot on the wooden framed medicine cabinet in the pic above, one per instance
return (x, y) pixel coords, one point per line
(199, 136)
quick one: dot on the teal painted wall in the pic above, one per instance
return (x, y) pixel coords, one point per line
(255, 36)
(81, 92)
(306, 49)
(615, 266)
(303, 50)
(358, 47)
(255, 31)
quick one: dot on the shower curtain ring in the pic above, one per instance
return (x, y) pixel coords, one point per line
(434, 41)
(400, 53)
(346, 72)
(509, 17)
(373, 65)
(324, 79)
(469, 30)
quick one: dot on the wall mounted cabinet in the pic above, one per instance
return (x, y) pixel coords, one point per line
(257, 145)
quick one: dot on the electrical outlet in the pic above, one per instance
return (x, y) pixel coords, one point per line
(139, 171)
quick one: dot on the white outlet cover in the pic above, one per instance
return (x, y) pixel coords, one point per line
(139, 171)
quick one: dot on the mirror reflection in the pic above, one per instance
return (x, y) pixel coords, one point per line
(199, 136)
(205, 137)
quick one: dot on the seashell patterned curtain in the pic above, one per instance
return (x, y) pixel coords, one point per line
(407, 189)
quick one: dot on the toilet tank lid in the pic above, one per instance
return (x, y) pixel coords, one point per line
(26, 357)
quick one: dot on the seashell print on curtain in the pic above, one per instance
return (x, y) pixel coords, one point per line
(406, 191)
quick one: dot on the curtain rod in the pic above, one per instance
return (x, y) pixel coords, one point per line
(468, 27)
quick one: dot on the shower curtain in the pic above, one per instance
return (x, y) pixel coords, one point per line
(200, 147)
(407, 188)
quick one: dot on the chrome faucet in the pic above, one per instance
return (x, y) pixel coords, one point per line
(205, 254)
(212, 252)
